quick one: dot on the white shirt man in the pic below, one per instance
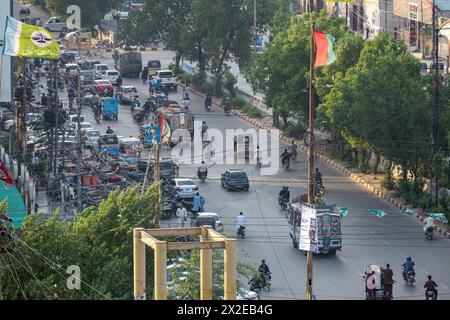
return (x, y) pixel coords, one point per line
(240, 221)
(429, 223)
(181, 214)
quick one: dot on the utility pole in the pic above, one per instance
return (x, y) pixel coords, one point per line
(79, 152)
(309, 257)
(421, 30)
(254, 25)
(346, 13)
(435, 104)
(157, 178)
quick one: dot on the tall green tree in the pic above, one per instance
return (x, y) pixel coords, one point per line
(381, 101)
(282, 72)
(92, 11)
(99, 241)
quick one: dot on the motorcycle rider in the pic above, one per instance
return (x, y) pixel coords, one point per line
(202, 169)
(429, 223)
(240, 221)
(408, 266)
(318, 177)
(226, 104)
(258, 156)
(430, 285)
(264, 271)
(293, 149)
(109, 131)
(204, 129)
(186, 103)
(284, 195)
(119, 81)
(208, 101)
(285, 157)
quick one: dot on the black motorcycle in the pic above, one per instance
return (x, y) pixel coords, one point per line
(241, 232)
(283, 203)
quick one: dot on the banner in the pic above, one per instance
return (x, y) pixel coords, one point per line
(28, 41)
(308, 230)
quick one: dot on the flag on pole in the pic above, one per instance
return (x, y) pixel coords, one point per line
(4, 174)
(28, 41)
(165, 131)
(324, 49)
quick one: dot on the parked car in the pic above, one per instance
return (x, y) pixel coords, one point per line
(208, 219)
(111, 75)
(185, 188)
(234, 179)
(126, 94)
(167, 78)
(73, 120)
(91, 137)
(101, 85)
(83, 125)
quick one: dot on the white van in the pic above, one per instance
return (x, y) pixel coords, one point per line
(168, 79)
(55, 24)
(112, 76)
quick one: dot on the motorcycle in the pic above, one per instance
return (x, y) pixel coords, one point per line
(429, 233)
(410, 278)
(286, 165)
(282, 202)
(97, 117)
(202, 176)
(266, 281)
(319, 190)
(430, 295)
(294, 156)
(208, 107)
(241, 232)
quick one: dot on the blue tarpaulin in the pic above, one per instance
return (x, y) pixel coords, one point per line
(16, 207)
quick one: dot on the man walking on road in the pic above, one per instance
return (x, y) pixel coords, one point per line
(388, 275)
(182, 216)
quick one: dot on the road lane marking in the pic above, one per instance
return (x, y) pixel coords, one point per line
(444, 286)
(342, 258)
(424, 271)
(387, 243)
(271, 200)
(360, 273)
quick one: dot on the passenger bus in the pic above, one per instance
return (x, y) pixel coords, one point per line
(128, 63)
(329, 232)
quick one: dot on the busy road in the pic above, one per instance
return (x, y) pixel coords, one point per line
(367, 238)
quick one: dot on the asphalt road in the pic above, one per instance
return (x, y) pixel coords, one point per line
(34, 12)
(367, 239)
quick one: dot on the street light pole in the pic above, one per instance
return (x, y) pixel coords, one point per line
(309, 257)
(79, 145)
(254, 25)
(435, 103)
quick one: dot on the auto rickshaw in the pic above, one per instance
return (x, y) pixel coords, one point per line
(379, 281)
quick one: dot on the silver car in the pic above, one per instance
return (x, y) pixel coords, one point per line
(185, 188)
(91, 137)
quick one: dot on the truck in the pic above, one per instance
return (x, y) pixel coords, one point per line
(328, 239)
(110, 108)
(56, 24)
(128, 63)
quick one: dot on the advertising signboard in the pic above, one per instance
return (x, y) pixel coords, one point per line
(308, 230)
(5, 61)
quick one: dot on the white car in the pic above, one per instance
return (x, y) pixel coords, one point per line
(101, 68)
(73, 119)
(185, 188)
(91, 137)
(112, 76)
(167, 78)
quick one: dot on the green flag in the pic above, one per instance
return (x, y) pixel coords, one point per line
(28, 41)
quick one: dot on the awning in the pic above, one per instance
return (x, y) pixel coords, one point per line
(16, 207)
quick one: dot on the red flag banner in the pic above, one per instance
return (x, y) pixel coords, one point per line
(4, 174)
(324, 49)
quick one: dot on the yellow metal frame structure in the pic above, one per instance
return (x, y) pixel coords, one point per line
(209, 240)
